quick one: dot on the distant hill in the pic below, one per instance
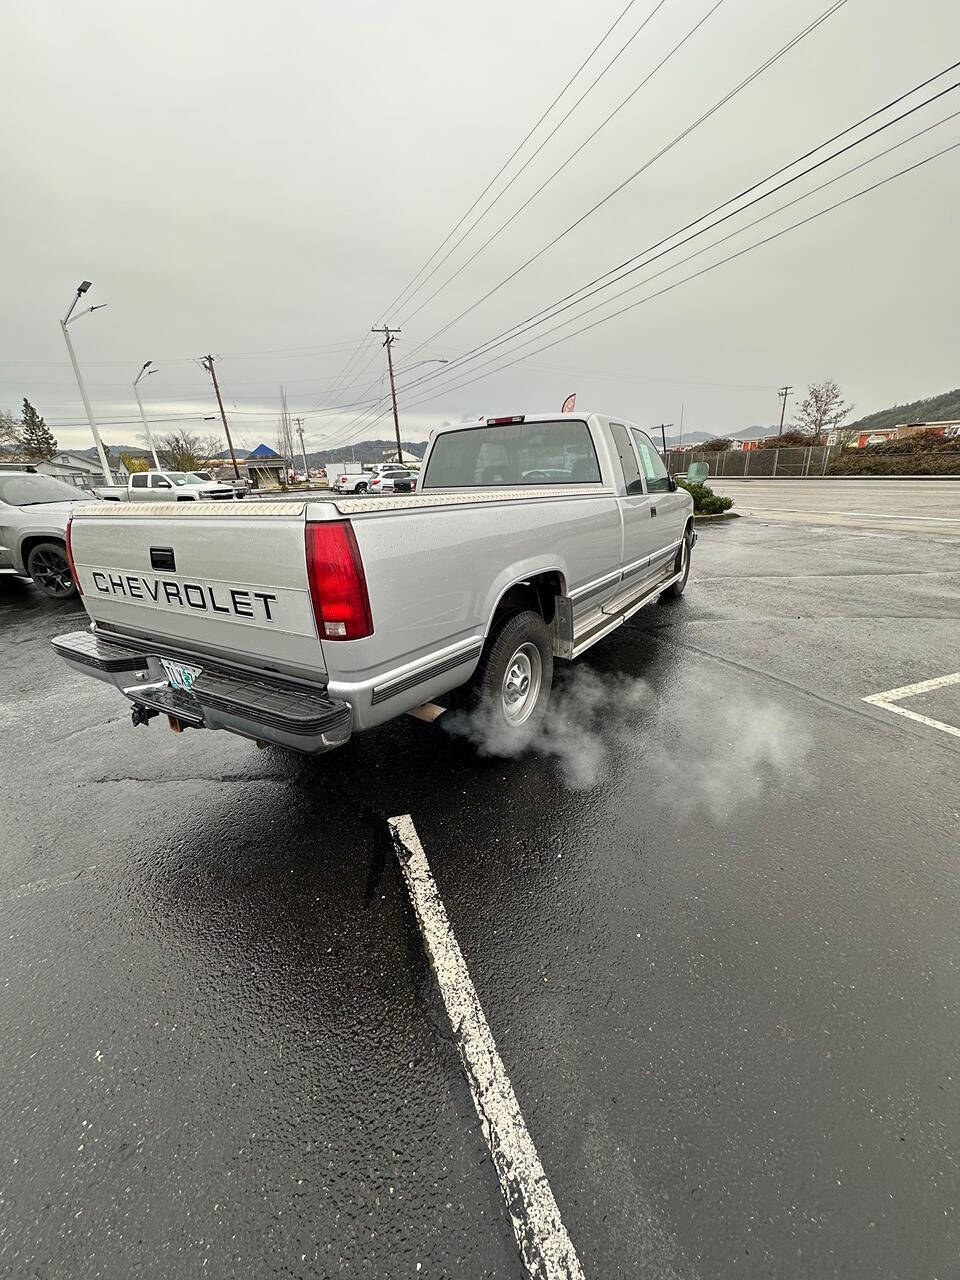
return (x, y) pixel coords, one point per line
(945, 406)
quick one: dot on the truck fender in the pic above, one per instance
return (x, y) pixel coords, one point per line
(548, 580)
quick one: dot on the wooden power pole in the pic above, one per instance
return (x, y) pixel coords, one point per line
(388, 341)
(783, 393)
(207, 363)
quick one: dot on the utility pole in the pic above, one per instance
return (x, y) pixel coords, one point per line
(207, 363)
(680, 441)
(783, 393)
(303, 450)
(388, 341)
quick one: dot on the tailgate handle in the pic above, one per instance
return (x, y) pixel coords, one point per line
(163, 558)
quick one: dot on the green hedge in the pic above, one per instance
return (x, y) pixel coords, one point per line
(912, 456)
(705, 501)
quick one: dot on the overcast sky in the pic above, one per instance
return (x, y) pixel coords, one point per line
(260, 181)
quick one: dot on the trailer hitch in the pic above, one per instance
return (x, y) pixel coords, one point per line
(141, 714)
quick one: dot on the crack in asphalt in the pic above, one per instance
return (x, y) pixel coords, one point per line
(223, 777)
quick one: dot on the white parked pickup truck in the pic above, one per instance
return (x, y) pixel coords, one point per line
(302, 622)
(169, 486)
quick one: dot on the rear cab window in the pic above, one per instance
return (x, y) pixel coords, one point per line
(524, 454)
(627, 458)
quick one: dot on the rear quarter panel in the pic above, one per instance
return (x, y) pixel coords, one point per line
(436, 573)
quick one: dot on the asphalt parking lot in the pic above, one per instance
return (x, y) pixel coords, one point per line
(712, 924)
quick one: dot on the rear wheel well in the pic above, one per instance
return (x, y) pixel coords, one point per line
(538, 592)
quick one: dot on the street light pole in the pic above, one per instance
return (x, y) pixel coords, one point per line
(143, 416)
(82, 288)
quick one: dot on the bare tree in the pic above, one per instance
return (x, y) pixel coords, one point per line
(9, 433)
(209, 450)
(180, 450)
(822, 410)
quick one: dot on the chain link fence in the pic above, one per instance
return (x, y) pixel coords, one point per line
(800, 461)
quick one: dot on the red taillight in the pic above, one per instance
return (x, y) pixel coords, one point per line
(343, 479)
(338, 587)
(502, 422)
(73, 567)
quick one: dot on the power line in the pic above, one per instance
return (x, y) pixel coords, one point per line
(697, 253)
(560, 123)
(512, 155)
(712, 266)
(727, 97)
(516, 213)
(581, 295)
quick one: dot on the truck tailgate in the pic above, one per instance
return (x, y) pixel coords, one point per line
(226, 579)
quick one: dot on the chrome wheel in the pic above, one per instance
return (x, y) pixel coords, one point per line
(521, 684)
(51, 572)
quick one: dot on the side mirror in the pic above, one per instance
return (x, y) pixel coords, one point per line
(164, 484)
(673, 484)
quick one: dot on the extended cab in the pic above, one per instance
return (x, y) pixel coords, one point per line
(169, 486)
(302, 622)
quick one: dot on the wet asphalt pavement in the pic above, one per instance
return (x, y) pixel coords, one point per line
(713, 926)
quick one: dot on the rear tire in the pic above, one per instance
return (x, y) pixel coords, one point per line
(681, 566)
(49, 568)
(361, 488)
(511, 686)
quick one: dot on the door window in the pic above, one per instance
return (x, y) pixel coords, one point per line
(138, 480)
(654, 472)
(628, 459)
(159, 482)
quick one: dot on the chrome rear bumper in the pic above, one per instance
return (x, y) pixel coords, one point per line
(262, 708)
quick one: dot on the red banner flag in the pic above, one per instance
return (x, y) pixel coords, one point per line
(569, 404)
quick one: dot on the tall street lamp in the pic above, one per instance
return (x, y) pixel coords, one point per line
(143, 417)
(82, 288)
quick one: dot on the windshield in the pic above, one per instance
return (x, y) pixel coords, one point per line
(33, 491)
(180, 478)
(525, 453)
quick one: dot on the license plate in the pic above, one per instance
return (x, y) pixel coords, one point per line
(180, 675)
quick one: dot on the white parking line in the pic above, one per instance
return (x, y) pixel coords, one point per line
(889, 700)
(544, 1245)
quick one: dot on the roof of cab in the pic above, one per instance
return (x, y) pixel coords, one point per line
(502, 420)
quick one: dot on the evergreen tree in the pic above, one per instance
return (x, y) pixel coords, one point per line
(36, 438)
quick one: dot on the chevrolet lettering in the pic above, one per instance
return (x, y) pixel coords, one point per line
(243, 603)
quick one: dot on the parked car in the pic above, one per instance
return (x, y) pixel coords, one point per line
(333, 615)
(351, 482)
(394, 480)
(34, 510)
(168, 486)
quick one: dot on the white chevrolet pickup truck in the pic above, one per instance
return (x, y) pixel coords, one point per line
(169, 486)
(301, 622)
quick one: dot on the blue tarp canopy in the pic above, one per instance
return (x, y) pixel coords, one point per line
(263, 452)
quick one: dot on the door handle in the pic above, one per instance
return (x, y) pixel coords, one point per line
(653, 511)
